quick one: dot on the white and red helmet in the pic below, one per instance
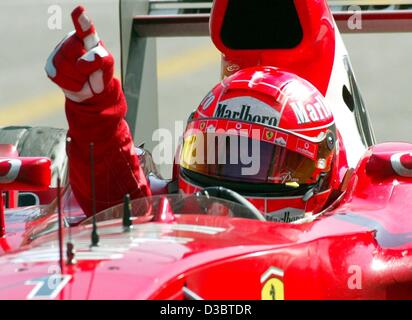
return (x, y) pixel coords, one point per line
(268, 135)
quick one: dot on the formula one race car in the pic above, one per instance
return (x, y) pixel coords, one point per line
(212, 244)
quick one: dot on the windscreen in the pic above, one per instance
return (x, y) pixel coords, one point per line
(144, 209)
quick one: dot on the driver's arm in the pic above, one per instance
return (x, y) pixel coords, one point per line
(95, 108)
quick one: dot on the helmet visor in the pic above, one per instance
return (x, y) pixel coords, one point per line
(251, 153)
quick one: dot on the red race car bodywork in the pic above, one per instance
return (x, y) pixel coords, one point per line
(360, 247)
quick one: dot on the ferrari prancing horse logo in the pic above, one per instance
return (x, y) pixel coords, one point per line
(269, 135)
(272, 284)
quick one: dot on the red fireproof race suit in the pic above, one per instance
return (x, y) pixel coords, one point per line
(117, 170)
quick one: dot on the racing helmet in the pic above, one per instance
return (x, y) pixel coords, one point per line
(268, 135)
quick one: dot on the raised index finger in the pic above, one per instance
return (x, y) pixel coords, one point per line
(85, 28)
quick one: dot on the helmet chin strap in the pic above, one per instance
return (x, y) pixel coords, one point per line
(315, 189)
(309, 195)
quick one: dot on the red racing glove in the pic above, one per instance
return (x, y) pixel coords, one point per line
(80, 64)
(95, 109)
